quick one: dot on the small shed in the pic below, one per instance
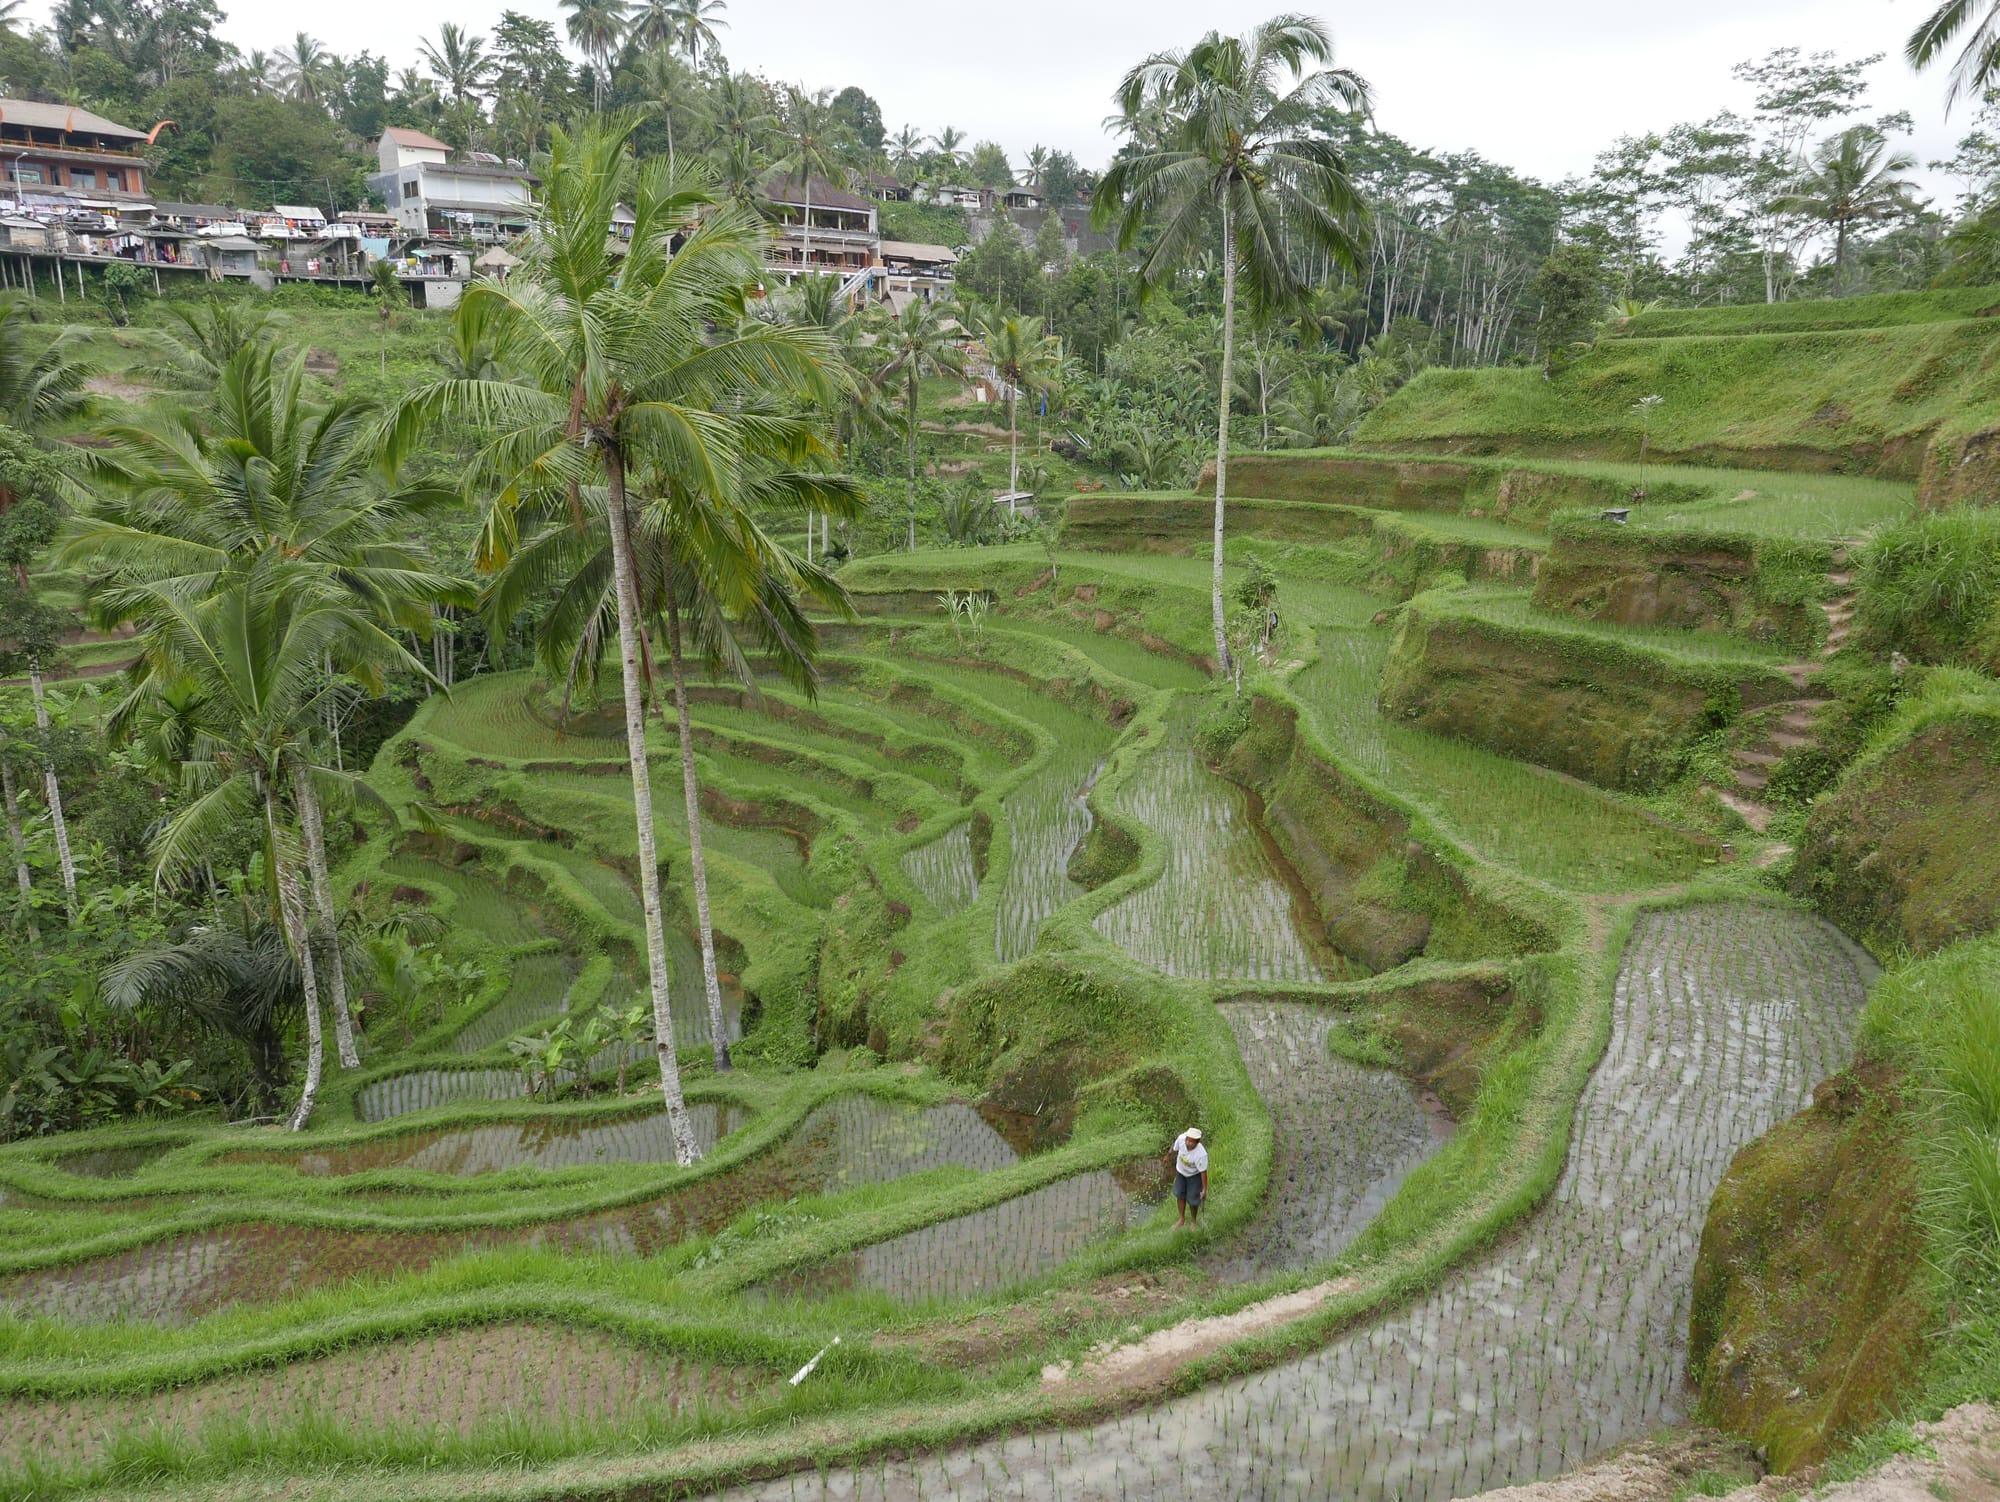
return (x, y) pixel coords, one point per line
(22, 233)
(230, 255)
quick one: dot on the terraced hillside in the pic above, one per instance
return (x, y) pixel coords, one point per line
(1444, 928)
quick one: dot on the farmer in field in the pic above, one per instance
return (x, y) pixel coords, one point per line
(1190, 1161)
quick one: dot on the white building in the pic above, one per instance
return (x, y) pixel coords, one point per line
(473, 197)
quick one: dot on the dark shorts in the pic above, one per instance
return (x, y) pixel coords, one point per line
(1187, 1186)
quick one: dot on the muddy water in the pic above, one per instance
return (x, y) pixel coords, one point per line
(847, 1142)
(112, 1162)
(1346, 1137)
(1565, 1341)
(1222, 908)
(944, 871)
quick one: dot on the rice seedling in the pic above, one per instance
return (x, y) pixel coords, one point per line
(1220, 910)
(944, 872)
(1567, 1340)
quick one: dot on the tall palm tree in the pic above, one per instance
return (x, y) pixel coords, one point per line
(301, 70)
(906, 146)
(196, 348)
(809, 137)
(1978, 61)
(948, 148)
(29, 635)
(672, 92)
(917, 345)
(1037, 163)
(740, 109)
(708, 576)
(1027, 360)
(251, 653)
(1239, 147)
(619, 368)
(186, 498)
(699, 19)
(655, 25)
(1852, 178)
(458, 61)
(597, 27)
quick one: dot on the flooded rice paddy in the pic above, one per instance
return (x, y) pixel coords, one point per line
(452, 1382)
(1221, 910)
(537, 990)
(982, 1253)
(466, 1152)
(112, 1162)
(944, 871)
(1345, 1139)
(849, 1141)
(1563, 1342)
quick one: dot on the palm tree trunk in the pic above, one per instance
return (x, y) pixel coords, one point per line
(52, 792)
(291, 912)
(1013, 445)
(686, 1150)
(913, 462)
(806, 250)
(18, 841)
(1222, 428)
(322, 887)
(1839, 257)
(718, 1024)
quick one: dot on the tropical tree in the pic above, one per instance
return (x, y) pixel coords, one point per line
(596, 27)
(301, 70)
(655, 25)
(1037, 163)
(699, 19)
(906, 146)
(29, 636)
(237, 976)
(41, 384)
(618, 365)
(673, 93)
(1978, 63)
(917, 344)
(192, 353)
(809, 140)
(1027, 362)
(252, 653)
(1239, 155)
(184, 499)
(1852, 178)
(459, 61)
(948, 149)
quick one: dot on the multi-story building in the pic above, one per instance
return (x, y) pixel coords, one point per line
(842, 238)
(438, 196)
(52, 155)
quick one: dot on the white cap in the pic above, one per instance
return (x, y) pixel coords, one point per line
(1193, 1134)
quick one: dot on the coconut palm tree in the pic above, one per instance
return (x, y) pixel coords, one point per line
(620, 366)
(699, 19)
(710, 578)
(917, 345)
(655, 25)
(458, 61)
(1978, 61)
(1027, 360)
(184, 499)
(301, 70)
(41, 383)
(1037, 163)
(596, 27)
(1240, 154)
(673, 93)
(1852, 178)
(906, 147)
(809, 139)
(251, 653)
(740, 109)
(29, 635)
(948, 149)
(196, 348)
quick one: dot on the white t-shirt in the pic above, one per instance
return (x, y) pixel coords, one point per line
(1189, 1158)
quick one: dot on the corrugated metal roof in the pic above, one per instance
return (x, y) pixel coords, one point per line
(38, 116)
(791, 191)
(912, 250)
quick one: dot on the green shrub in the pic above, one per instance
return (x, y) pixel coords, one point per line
(1930, 585)
(1221, 726)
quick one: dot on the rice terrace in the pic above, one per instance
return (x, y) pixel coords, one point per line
(705, 801)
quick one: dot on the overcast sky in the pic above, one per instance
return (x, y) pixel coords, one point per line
(1540, 85)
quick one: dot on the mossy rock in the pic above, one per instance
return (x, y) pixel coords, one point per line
(1903, 855)
(1812, 1299)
